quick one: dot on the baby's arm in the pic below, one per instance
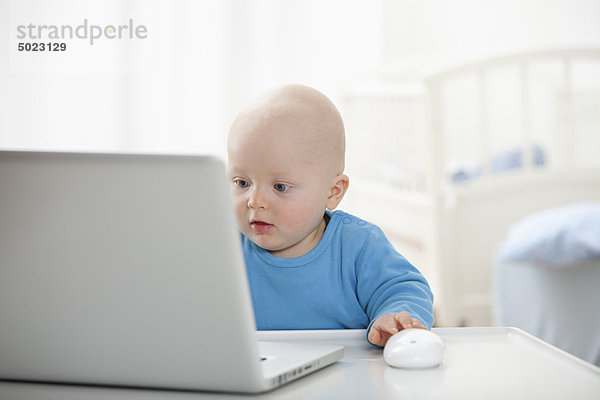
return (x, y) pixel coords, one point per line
(394, 294)
(386, 326)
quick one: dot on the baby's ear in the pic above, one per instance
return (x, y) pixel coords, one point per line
(338, 190)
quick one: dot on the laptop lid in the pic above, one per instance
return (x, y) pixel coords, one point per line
(123, 270)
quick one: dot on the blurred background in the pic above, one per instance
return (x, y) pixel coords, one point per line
(463, 117)
(206, 59)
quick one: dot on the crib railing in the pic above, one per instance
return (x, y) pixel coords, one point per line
(566, 128)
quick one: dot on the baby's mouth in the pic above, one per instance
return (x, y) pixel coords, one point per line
(260, 226)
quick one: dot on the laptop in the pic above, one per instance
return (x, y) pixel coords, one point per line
(127, 270)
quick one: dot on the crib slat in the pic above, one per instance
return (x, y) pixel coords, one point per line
(526, 136)
(568, 130)
(484, 129)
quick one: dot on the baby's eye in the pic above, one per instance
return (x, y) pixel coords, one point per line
(281, 187)
(242, 184)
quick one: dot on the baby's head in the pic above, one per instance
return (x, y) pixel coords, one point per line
(286, 164)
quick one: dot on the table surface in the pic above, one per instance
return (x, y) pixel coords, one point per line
(490, 363)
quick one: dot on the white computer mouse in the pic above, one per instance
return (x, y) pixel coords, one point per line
(414, 349)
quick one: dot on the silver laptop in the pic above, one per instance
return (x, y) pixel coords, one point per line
(127, 270)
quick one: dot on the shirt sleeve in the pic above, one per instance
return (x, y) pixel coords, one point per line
(388, 283)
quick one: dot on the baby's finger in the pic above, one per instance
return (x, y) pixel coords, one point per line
(375, 336)
(404, 320)
(417, 324)
(385, 336)
(388, 325)
(378, 336)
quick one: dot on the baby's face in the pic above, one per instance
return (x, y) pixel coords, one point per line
(279, 183)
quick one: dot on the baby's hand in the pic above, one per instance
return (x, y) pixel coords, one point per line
(386, 326)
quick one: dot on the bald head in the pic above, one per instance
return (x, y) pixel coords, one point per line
(305, 119)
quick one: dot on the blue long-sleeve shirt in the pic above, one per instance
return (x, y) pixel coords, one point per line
(352, 277)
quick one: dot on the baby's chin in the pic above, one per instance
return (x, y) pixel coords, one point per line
(264, 241)
(276, 248)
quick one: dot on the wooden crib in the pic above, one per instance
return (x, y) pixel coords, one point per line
(445, 164)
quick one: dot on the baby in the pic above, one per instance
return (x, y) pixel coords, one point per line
(308, 266)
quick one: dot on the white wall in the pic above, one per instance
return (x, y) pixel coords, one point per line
(433, 30)
(179, 89)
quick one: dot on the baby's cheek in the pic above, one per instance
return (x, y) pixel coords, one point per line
(305, 220)
(240, 212)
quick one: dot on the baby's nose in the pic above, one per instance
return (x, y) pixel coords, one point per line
(256, 200)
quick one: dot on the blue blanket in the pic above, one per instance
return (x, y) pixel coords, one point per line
(559, 237)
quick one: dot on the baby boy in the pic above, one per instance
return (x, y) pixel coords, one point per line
(310, 267)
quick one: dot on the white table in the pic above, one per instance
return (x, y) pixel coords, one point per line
(480, 363)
